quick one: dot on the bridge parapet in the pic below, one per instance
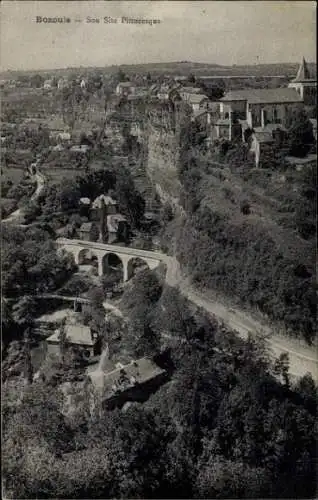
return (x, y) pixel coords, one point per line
(101, 250)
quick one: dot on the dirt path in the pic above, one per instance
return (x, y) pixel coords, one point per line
(17, 216)
(302, 359)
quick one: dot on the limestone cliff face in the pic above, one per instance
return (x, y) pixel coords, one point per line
(162, 159)
(163, 149)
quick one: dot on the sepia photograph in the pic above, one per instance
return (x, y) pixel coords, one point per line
(158, 249)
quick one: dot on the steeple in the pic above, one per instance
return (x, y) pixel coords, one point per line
(303, 72)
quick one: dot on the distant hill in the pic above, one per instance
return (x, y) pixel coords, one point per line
(178, 68)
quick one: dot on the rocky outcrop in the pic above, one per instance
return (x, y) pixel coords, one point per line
(162, 138)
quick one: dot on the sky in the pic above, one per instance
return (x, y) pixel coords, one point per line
(221, 32)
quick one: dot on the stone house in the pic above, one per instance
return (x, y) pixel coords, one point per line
(79, 336)
(257, 141)
(125, 88)
(196, 101)
(48, 84)
(134, 381)
(117, 228)
(113, 226)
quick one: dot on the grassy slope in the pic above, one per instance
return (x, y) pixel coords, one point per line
(269, 194)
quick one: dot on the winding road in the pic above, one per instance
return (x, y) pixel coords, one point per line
(302, 359)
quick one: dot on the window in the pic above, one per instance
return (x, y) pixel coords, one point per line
(275, 114)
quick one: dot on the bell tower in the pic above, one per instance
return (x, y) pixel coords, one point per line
(305, 85)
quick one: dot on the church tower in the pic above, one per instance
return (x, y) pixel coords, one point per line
(305, 85)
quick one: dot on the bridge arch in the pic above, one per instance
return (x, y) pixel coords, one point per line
(134, 265)
(111, 261)
(88, 256)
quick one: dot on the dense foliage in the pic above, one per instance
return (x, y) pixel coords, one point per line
(30, 263)
(222, 428)
(265, 260)
(63, 197)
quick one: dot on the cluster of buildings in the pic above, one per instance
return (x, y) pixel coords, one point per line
(112, 381)
(253, 113)
(261, 109)
(105, 223)
(64, 83)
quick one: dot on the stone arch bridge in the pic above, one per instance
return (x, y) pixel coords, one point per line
(102, 251)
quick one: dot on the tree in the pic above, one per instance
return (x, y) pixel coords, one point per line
(121, 76)
(130, 201)
(221, 478)
(63, 341)
(28, 367)
(37, 81)
(281, 367)
(300, 134)
(24, 311)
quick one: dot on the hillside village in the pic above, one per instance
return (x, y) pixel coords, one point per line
(127, 198)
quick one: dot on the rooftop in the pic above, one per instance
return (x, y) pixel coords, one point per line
(86, 227)
(75, 334)
(271, 127)
(263, 136)
(258, 96)
(303, 72)
(85, 201)
(108, 200)
(113, 220)
(125, 377)
(125, 84)
(195, 98)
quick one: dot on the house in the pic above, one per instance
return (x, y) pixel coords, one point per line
(163, 94)
(125, 88)
(79, 336)
(63, 136)
(117, 228)
(83, 148)
(222, 127)
(58, 148)
(196, 101)
(154, 89)
(134, 381)
(48, 84)
(112, 225)
(62, 83)
(259, 138)
(252, 108)
(189, 90)
(305, 85)
(98, 205)
(89, 231)
(202, 118)
(301, 163)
